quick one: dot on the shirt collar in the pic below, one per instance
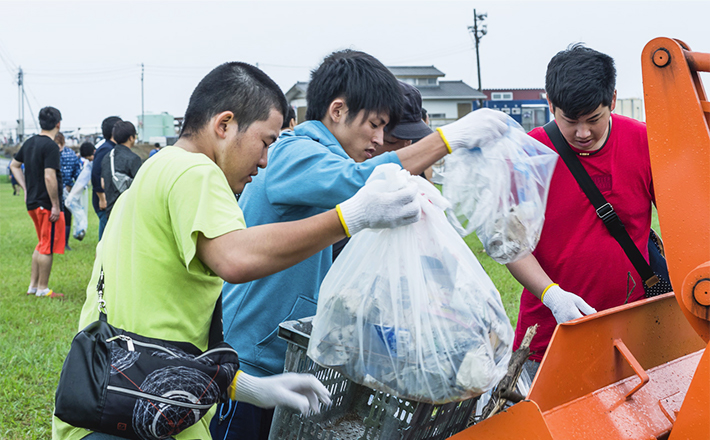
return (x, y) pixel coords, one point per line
(316, 131)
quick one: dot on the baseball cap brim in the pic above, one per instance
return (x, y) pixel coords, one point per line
(411, 130)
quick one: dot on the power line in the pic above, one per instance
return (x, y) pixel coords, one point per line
(90, 71)
(83, 81)
(33, 96)
(34, 120)
(6, 58)
(438, 53)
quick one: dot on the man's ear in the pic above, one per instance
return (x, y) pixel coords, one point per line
(613, 102)
(550, 106)
(220, 123)
(337, 110)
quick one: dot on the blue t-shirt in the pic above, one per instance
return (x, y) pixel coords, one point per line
(308, 173)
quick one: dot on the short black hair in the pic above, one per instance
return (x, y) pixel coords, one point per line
(579, 80)
(424, 114)
(289, 116)
(122, 131)
(360, 79)
(107, 126)
(238, 87)
(49, 117)
(87, 149)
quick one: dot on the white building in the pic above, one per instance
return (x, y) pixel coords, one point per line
(631, 107)
(445, 101)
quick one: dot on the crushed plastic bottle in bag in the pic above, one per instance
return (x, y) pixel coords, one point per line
(500, 192)
(411, 312)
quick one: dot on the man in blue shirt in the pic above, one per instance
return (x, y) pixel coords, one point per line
(351, 98)
(98, 198)
(71, 167)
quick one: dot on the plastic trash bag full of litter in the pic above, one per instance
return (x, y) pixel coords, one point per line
(500, 192)
(410, 311)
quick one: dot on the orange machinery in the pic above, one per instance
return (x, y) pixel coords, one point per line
(642, 370)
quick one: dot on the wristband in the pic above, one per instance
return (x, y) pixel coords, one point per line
(542, 297)
(441, 133)
(232, 389)
(342, 220)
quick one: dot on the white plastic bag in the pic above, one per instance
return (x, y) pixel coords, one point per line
(500, 191)
(73, 203)
(410, 311)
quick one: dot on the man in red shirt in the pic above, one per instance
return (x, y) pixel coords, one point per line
(578, 267)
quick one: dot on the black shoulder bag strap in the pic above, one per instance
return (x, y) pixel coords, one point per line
(216, 334)
(603, 208)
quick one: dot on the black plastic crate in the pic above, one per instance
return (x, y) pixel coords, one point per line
(358, 412)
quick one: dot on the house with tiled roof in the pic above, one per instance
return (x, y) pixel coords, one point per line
(445, 101)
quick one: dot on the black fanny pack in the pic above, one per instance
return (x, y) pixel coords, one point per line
(124, 384)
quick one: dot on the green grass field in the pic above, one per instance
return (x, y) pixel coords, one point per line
(35, 333)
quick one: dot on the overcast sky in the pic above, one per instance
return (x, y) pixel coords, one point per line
(84, 57)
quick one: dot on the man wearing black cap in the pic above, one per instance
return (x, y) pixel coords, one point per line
(411, 128)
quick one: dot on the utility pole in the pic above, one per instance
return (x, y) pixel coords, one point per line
(142, 106)
(478, 33)
(20, 105)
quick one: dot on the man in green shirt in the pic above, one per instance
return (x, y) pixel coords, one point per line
(177, 232)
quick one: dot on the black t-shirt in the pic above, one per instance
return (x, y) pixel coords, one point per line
(37, 153)
(125, 161)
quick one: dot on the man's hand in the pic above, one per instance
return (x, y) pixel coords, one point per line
(297, 391)
(476, 129)
(564, 305)
(54, 214)
(373, 206)
(102, 201)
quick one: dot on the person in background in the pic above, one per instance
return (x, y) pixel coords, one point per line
(156, 148)
(178, 232)
(351, 98)
(411, 128)
(41, 183)
(98, 198)
(13, 181)
(578, 267)
(73, 199)
(71, 167)
(289, 120)
(119, 163)
(425, 116)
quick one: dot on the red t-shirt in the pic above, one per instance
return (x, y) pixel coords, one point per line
(575, 248)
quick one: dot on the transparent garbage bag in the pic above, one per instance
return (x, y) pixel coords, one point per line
(500, 192)
(410, 311)
(73, 203)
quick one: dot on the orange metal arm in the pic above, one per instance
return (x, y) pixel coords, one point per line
(677, 118)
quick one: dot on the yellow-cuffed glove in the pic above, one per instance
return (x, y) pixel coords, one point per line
(476, 129)
(293, 390)
(565, 306)
(375, 206)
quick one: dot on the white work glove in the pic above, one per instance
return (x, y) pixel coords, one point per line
(476, 129)
(564, 305)
(374, 206)
(293, 390)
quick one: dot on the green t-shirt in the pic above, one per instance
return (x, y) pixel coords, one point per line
(154, 283)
